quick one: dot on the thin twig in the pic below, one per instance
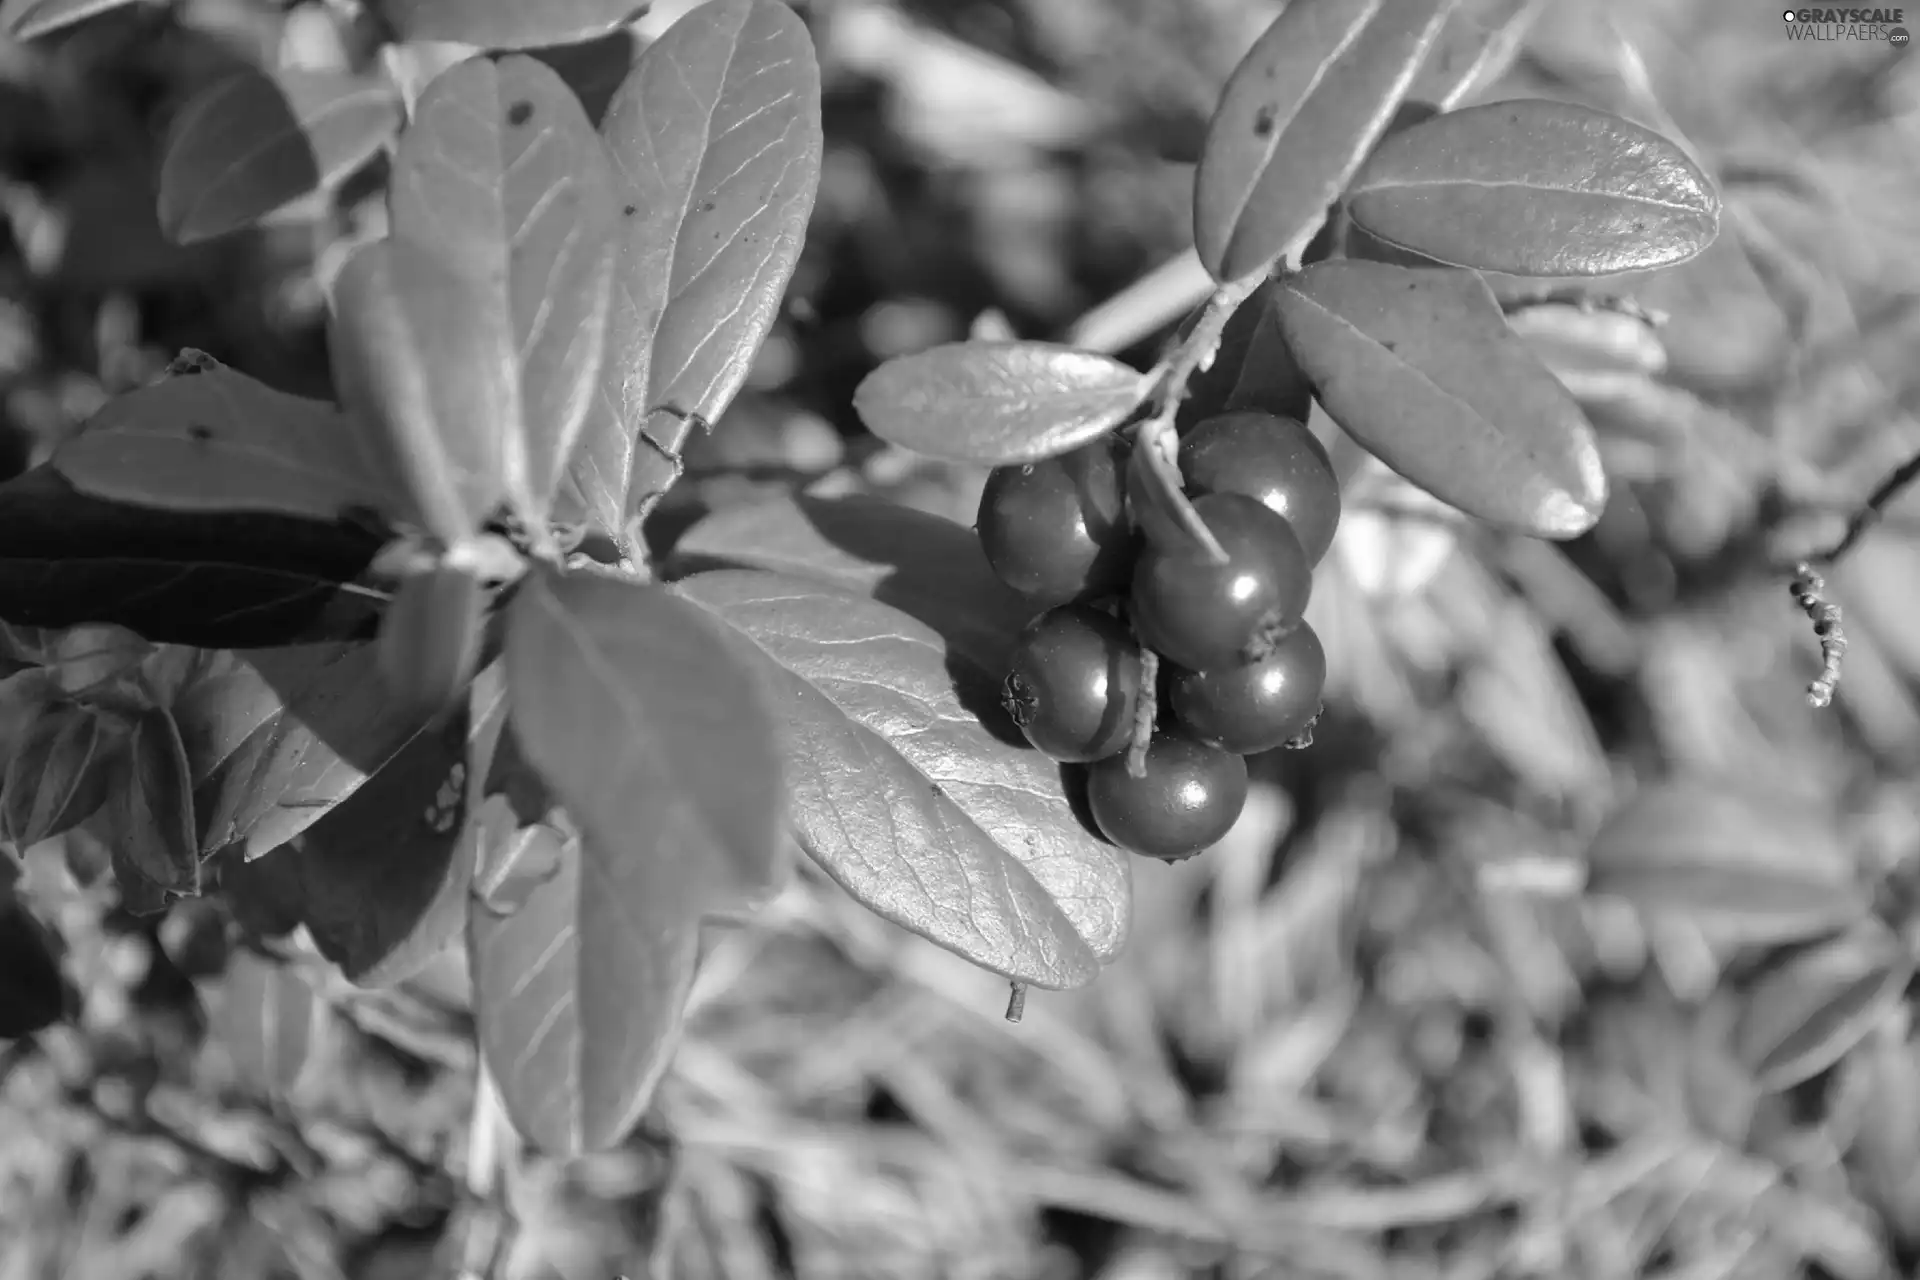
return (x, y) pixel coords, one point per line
(1145, 714)
(1807, 587)
(1875, 506)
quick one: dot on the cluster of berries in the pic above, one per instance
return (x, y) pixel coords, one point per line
(1240, 671)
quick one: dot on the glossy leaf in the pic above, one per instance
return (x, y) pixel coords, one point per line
(217, 441)
(1475, 46)
(31, 19)
(250, 144)
(203, 579)
(637, 711)
(1819, 1002)
(929, 568)
(276, 737)
(914, 792)
(33, 992)
(715, 141)
(1538, 188)
(502, 175)
(1420, 368)
(1737, 865)
(266, 1021)
(507, 24)
(59, 774)
(430, 639)
(580, 978)
(381, 888)
(997, 403)
(149, 819)
(1296, 118)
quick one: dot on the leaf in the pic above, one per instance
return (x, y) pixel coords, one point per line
(502, 175)
(579, 989)
(250, 144)
(1738, 865)
(636, 710)
(1475, 46)
(60, 774)
(217, 441)
(1295, 120)
(715, 142)
(34, 994)
(381, 888)
(149, 818)
(1805, 1014)
(929, 568)
(507, 24)
(276, 737)
(265, 895)
(430, 639)
(84, 659)
(194, 578)
(1537, 188)
(593, 69)
(31, 19)
(913, 791)
(1420, 368)
(267, 1020)
(997, 403)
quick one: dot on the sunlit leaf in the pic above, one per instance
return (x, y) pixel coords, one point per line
(1819, 1002)
(507, 24)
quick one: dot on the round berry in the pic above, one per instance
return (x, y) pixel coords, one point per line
(1251, 707)
(1198, 614)
(1057, 530)
(1074, 684)
(1191, 796)
(1274, 459)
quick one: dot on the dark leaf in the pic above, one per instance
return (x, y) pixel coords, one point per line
(926, 813)
(1252, 370)
(276, 737)
(997, 403)
(593, 69)
(1420, 368)
(1538, 188)
(715, 141)
(582, 959)
(267, 1019)
(507, 24)
(265, 895)
(382, 890)
(1740, 866)
(149, 819)
(637, 711)
(1474, 48)
(60, 774)
(1806, 1013)
(219, 442)
(1296, 118)
(250, 144)
(30, 19)
(33, 992)
(501, 174)
(430, 639)
(927, 567)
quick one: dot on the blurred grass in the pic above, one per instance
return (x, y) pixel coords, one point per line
(1376, 1033)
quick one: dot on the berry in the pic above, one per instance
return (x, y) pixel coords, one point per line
(1057, 530)
(1274, 459)
(1252, 707)
(1075, 684)
(1191, 796)
(1198, 614)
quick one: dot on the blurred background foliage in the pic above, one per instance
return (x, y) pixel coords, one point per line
(1379, 1032)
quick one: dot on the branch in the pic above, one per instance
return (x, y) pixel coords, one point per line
(1875, 507)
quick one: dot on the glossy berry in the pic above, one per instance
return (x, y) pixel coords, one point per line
(1198, 614)
(1274, 459)
(1191, 796)
(1057, 530)
(1251, 707)
(1074, 684)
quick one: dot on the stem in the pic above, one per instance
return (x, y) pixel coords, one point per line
(1875, 507)
(1017, 1002)
(1145, 714)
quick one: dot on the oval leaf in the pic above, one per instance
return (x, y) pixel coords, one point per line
(909, 791)
(501, 174)
(1474, 48)
(579, 981)
(149, 819)
(1819, 1002)
(507, 24)
(267, 1020)
(635, 709)
(1420, 368)
(715, 141)
(250, 144)
(1737, 865)
(1536, 188)
(216, 440)
(60, 775)
(430, 639)
(1296, 118)
(997, 403)
(30, 19)
(211, 580)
